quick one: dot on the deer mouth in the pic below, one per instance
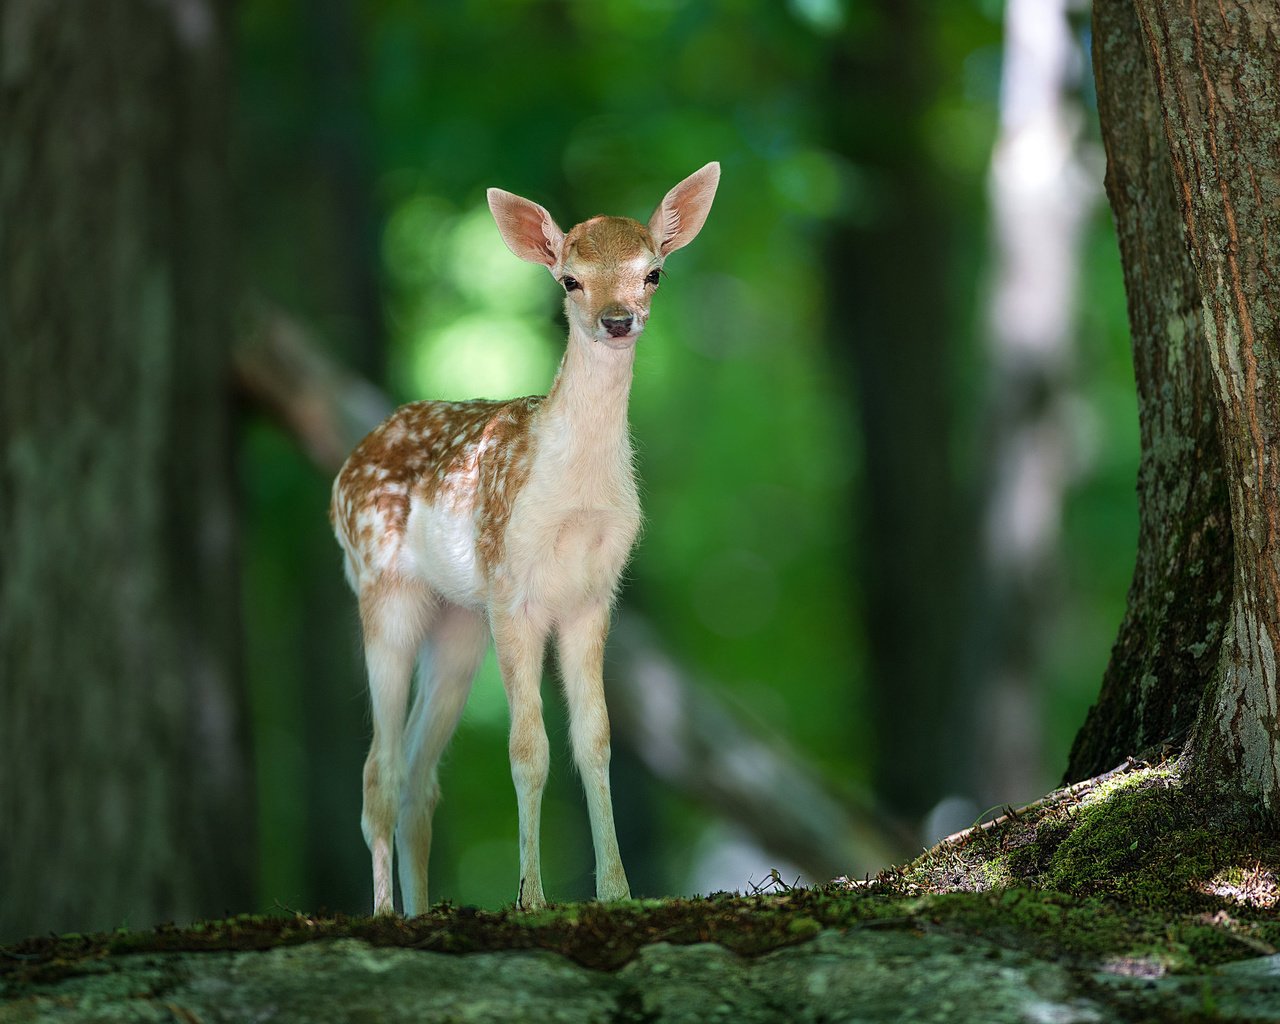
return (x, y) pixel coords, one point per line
(627, 339)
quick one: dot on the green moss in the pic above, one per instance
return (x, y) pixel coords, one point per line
(803, 927)
(1132, 869)
(1136, 846)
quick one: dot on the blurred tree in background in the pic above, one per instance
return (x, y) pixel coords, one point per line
(813, 403)
(125, 794)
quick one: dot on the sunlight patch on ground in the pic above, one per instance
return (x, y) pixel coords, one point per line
(1251, 886)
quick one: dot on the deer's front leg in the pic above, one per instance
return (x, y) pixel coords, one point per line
(581, 649)
(520, 643)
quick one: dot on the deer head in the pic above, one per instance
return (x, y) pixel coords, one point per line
(609, 267)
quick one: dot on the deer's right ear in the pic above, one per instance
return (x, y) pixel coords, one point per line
(526, 227)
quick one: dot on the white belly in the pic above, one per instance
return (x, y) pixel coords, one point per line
(442, 552)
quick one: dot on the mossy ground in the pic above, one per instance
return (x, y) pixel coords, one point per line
(1129, 874)
(1142, 872)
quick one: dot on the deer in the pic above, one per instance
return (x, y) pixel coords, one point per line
(511, 519)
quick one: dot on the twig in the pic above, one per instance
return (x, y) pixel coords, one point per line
(1067, 793)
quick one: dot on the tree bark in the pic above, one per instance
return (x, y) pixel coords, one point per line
(1169, 640)
(1209, 88)
(123, 776)
(1217, 69)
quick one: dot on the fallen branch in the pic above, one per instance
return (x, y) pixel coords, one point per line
(678, 728)
(1071, 793)
(325, 409)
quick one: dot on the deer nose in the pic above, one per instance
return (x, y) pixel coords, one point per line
(617, 322)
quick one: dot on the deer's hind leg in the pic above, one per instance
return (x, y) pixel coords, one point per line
(451, 654)
(395, 614)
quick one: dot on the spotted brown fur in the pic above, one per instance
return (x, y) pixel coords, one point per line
(466, 454)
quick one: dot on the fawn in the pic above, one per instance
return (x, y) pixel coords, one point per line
(516, 518)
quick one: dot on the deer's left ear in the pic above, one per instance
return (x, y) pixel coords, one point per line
(680, 216)
(526, 227)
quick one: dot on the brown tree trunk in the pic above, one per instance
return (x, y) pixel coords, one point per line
(1206, 100)
(1217, 69)
(1172, 630)
(123, 778)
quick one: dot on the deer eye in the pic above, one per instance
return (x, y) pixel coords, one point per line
(653, 277)
(570, 283)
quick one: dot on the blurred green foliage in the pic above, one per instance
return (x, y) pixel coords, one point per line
(366, 135)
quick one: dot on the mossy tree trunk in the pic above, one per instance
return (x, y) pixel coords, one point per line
(123, 780)
(1207, 100)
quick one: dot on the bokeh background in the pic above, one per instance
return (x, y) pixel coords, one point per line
(884, 410)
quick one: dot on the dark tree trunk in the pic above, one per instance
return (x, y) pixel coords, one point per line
(1172, 630)
(1204, 106)
(342, 147)
(896, 349)
(123, 777)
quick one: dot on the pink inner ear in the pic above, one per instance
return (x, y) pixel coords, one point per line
(667, 224)
(546, 246)
(527, 225)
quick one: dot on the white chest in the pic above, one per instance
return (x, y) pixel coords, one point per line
(569, 536)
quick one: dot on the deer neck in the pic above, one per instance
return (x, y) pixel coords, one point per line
(585, 413)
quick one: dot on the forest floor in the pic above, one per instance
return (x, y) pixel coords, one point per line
(1117, 899)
